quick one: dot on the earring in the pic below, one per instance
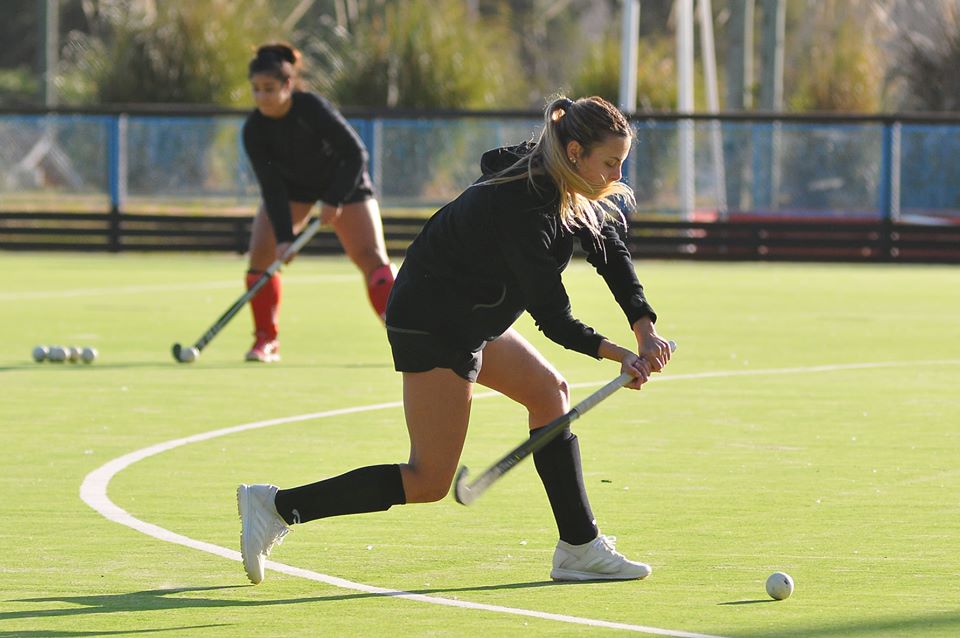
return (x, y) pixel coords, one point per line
(573, 160)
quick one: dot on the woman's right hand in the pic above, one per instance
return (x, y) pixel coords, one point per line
(639, 366)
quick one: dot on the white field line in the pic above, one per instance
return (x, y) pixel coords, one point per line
(152, 288)
(836, 367)
(93, 492)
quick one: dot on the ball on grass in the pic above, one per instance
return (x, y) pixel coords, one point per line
(89, 355)
(40, 353)
(57, 354)
(189, 355)
(779, 585)
(73, 354)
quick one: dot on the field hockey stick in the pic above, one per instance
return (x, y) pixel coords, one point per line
(467, 494)
(187, 355)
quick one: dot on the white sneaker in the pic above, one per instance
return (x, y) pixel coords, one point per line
(596, 560)
(261, 527)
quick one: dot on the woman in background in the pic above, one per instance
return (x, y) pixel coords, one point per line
(303, 151)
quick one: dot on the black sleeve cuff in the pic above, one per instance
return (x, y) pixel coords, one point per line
(637, 307)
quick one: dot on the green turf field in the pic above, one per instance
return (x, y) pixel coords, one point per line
(809, 422)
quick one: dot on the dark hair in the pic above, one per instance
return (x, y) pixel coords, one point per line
(278, 59)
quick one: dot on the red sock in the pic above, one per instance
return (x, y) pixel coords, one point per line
(379, 284)
(265, 305)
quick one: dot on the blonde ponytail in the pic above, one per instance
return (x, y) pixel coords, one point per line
(588, 121)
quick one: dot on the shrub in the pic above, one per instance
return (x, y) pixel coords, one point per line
(844, 67)
(656, 73)
(929, 66)
(178, 53)
(417, 54)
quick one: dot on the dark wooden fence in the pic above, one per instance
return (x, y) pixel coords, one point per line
(797, 241)
(755, 240)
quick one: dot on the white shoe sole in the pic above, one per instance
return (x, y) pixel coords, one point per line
(252, 561)
(567, 575)
(270, 358)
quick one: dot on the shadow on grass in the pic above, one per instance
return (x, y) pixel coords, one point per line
(164, 599)
(148, 600)
(899, 625)
(41, 633)
(749, 602)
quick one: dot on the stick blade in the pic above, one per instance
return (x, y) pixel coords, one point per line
(185, 355)
(461, 491)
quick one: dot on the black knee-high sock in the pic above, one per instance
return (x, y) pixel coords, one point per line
(558, 465)
(368, 489)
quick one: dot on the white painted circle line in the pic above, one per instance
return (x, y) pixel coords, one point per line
(93, 492)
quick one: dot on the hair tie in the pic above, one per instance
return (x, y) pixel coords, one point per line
(560, 108)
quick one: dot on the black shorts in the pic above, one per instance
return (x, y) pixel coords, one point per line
(418, 322)
(361, 193)
(416, 351)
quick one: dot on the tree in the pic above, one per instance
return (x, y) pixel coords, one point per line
(929, 65)
(554, 37)
(844, 66)
(169, 52)
(20, 31)
(656, 73)
(415, 54)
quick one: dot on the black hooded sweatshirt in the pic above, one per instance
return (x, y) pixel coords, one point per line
(498, 250)
(309, 154)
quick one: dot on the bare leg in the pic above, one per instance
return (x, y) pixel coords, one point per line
(300, 213)
(360, 231)
(514, 368)
(437, 408)
(263, 242)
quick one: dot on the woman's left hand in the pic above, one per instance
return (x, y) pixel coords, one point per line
(638, 367)
(651, 346)
(282, 248)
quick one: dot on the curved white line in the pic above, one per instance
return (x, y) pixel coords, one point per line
(93, 492)
(835, 367)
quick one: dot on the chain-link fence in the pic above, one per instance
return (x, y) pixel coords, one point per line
(686, 169)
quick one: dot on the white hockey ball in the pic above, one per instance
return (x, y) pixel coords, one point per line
(779, 585)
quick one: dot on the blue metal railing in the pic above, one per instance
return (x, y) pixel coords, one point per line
(792, 167)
